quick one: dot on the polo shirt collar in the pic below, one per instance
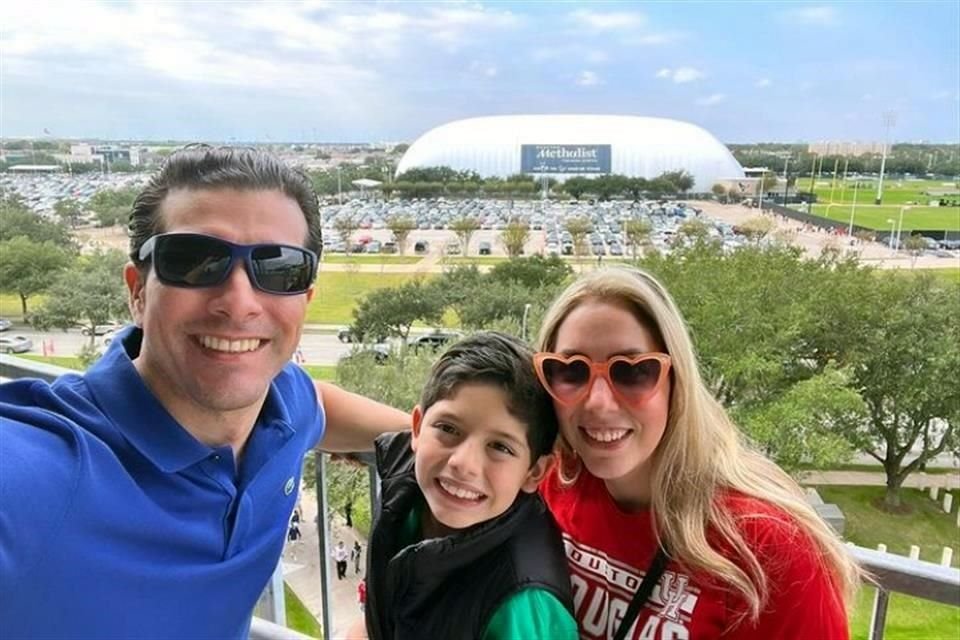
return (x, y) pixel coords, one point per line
(136, 413)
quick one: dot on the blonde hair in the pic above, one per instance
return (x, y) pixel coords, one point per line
(701, 453)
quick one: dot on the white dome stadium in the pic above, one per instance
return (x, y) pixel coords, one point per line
(562, 146)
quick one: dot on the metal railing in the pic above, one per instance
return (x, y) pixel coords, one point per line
(891, 573)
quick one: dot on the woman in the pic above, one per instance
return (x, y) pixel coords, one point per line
(649, 459)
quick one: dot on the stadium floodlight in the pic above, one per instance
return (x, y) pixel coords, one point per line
(900, 225)
(853, 209)
(889, 120)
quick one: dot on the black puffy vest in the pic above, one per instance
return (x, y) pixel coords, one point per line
(448, 588)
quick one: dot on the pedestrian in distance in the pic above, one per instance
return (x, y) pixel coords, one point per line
(674, 527)
(340, 555)
(461, 525)
(362, 594)
(171, 467)
(355, 554)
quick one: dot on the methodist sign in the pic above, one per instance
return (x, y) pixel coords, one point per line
(565, 158)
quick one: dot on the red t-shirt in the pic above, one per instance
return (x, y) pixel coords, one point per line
(362, 592)
(609, 551)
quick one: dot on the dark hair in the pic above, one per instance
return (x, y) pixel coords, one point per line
(200, 166)
(491, 357)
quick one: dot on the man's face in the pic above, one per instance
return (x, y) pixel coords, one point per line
(216, 349)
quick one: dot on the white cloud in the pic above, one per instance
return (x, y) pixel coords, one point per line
(762, 83)
(822, 16)
(652, 39)
(712, 99)
(588, 79)
(680, 75)
(607, 21)
(575, 52)
(483, 69)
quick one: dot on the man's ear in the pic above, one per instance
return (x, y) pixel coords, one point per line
(416, 418)
(136, 283)
(536, 473)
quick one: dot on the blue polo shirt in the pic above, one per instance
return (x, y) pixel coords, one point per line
(115, 522)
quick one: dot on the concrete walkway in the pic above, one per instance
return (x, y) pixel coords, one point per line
(301, 570)
(948, 481)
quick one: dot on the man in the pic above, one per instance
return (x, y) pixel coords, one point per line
(150, 496)
(340, 557)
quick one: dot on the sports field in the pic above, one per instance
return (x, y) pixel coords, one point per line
(838, 200)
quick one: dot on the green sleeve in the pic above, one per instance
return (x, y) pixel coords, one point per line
(531, 613)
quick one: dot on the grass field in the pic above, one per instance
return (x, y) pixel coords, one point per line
(337, 293)
(299, 617)
(927, 526)
(339, 258)
(836, 203)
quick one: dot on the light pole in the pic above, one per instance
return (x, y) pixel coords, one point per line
(900, 225)
(523, 325)
(893, 227)
(889, 119)
(339, 187)
(853, 209)
(786, 180)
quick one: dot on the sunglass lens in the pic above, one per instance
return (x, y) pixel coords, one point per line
(566, 379)
(194, 261)
(635, 380)
(282, 269)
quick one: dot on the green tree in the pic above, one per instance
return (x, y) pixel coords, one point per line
(719, 192)
(638, 234)
(28, 268)
(345, 225)
(400, 227)
(18, 220)
(89, 294)
(680, 179)
(514, 237)
(68, 211)
(692, 231)
(113, 206)
(576, 186)
(915, 246)
(904, 362)
(465, 227)
(757, 228)
(578, 228)
(393, 310)
(535, 272)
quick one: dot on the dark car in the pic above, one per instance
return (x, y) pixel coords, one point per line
(421, 246)
(485, 249)
(380, 353)
(434, 340)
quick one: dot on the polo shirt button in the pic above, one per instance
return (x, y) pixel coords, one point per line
(288, 488)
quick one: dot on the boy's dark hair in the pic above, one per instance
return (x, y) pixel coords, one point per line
(200, 166)
(491, 357)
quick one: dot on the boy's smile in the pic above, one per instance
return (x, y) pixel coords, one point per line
(472, 458)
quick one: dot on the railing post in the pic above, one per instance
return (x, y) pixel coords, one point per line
(323, 537)
(272, 604)
(878, 619)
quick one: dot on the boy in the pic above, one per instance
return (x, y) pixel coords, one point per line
(463, 546)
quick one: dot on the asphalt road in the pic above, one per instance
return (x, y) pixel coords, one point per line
(317, 348)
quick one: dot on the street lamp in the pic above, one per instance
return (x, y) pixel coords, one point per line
(893, 226)
(853, 209)
(339, 187)
(523, 325)
(786, 180)
(889, 119)
(900, 225)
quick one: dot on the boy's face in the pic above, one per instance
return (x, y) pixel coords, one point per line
(472, 456)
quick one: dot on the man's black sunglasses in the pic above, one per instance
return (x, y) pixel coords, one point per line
(197, 260)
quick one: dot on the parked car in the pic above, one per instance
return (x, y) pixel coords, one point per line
(380, 352)
(345, 334)
(421, 246)
(453, 248)
(102, 329)
(485, 249)
(15, 344)
(435, 339)
(5, 324)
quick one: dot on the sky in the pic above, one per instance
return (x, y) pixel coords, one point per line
(390, 71)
